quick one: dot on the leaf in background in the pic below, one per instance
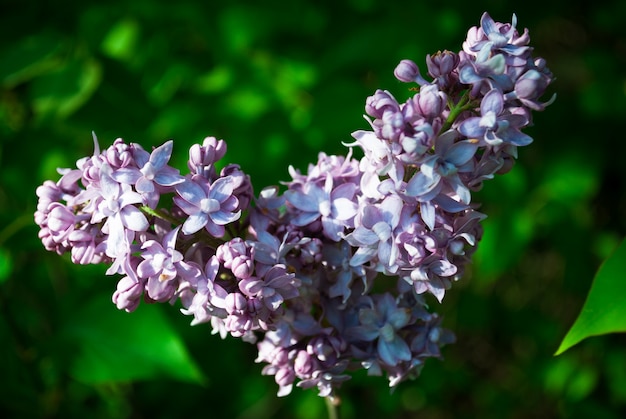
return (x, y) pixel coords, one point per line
(6, 265)
(504, 240)
(571, 179)
(168, 83)
(570, 378)
(240, 28)
(605, 308)
(115, 346)
(121, 40)
(29, 58)
(248, 103)
(509, 227)
(60, 93)
(215, 81)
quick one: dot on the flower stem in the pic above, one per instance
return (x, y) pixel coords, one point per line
(332, 406)
(159, 214)
(462, 105)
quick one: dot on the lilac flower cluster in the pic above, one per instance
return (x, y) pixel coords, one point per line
(330, 275)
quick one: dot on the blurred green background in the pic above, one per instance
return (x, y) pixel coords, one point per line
(281, 81)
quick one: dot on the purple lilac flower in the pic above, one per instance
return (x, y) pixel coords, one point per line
(278, 362)
(430, 337)
(495, 127)
(267, 210)
(327, 380)
(415, 240)
(208, 300)
(202, 158)
(88, 245)
(245, 315)
(117, 206)
(53, 216)
(380, 160)
(151, 172)
(242, 187)
(119, 155)
(432, 275)
(238, 256)
(441, 170)
(484, 75)
(162, 264)
(160, 259)
(430, 102)
(407, 71)
(442, 66)
(381, 320)
(389, 123)
(329, 275)
(209, 206)
(337, 260)
(130, 289)
(529, 87)
(61, 222)
(128, 293)
(343, 169)
(269, 250)
(374, 235)
(492, 36)
(273, 289)
(334, 206)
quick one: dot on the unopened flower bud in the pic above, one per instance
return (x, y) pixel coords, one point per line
(120, 154)
(202, 157)
(128, 294)
(284, 376)
(531, 85)
(442, 63)
(430, 102)
(408, 72)
(303, 364)
(218, 147)
(60, 221)
(236, 303)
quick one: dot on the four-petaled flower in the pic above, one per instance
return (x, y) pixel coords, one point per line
(494, 126)
(382, 320)
(440, 170)
(162, 264)
(211, 206)
(116, 204)
(374, 237)
(152, 171)
(335, 206)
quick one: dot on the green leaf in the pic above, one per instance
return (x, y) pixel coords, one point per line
(60, 93)
(605, 308)
(6, 265)
(573, 178)
(217, 80)
(121, 40)
(248, 103)
(115, 346)
(29, 57)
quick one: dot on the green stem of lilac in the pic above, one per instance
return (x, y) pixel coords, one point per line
(464, 104)
(160, 214)
(332, 406)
